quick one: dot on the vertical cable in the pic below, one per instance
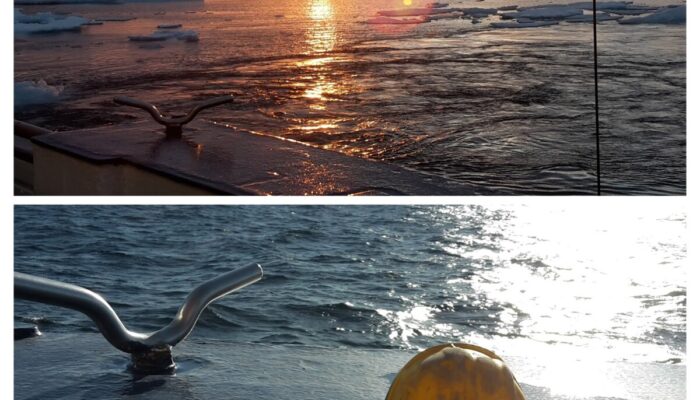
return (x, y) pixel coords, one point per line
(595, 74)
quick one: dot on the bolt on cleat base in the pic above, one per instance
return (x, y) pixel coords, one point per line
(158, 360)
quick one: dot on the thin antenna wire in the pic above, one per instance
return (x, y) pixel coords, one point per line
(595, 73)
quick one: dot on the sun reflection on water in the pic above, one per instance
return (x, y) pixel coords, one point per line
(320, 10)
(555, 266)
(320, 83)
(548, 283)
(321, 33)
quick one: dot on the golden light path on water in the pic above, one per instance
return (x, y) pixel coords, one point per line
(321, 34)
(322, 83)
(580, 287)
(322, 86)
(319, 84)
(325, 85)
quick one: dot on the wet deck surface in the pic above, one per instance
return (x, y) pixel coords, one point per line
(230, 161)
(58, 366)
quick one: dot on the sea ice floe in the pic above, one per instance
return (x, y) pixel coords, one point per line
(523, 23)
(608, 11)
(426, 14)
(541, 15)
(163, 35)
(30, 93)
(451, 15)
(633, 11)
(666, 15)
(381, 20)
(545, 12)
(476, 12)
(600, 5)
(589, 18)
(46, 22)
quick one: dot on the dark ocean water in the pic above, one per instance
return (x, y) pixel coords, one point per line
(520, 279)
(509, 109)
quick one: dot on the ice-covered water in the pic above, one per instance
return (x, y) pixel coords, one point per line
(511, 109)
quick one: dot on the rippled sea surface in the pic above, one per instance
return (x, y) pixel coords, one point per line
(524, 280)
(509, 109)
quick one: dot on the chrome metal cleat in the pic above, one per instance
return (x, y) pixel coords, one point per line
(150, 352)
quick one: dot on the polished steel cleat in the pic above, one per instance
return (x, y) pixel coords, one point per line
(152, 352)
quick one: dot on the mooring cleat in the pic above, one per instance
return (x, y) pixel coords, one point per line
(173, 123)
(150, 353)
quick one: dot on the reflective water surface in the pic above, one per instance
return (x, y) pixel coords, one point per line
(569, 295)
(509, 109)
(601, 285)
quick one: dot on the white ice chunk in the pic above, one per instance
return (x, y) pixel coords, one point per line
(394, 21)
(46, 22)
(452, 15)
(477, 12)
(589, 18)
(29, 93)
(573, 11)
(160, 36)
(549, 12)
(522, 24)
(633, 11)
(588, 5)
(667, 15)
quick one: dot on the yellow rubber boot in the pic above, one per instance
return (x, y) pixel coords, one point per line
(455, 372)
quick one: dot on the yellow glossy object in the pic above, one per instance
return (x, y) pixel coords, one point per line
(455, 372)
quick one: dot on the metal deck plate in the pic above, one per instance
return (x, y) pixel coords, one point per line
(62, 366)
(230, 161)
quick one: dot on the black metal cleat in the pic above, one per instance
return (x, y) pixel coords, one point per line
(174, 123)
